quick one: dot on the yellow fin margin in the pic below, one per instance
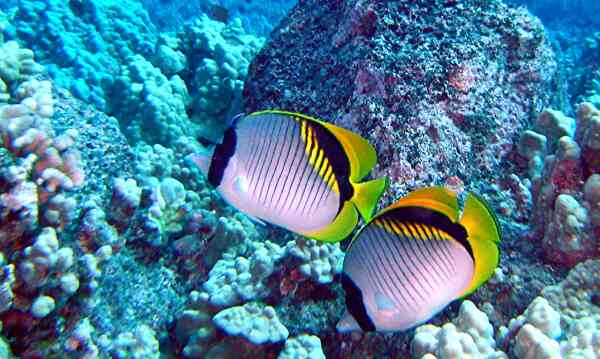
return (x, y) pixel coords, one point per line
(483, 234)
(437, 198)
(341, 228)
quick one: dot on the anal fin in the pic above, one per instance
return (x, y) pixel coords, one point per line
(341, 227)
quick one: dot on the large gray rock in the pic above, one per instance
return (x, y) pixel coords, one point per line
(440, 87)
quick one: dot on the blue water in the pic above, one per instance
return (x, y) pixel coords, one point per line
(114, 243)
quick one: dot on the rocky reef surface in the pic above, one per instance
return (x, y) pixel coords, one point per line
(112, 244)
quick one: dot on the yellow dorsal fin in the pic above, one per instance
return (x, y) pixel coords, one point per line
(483, 234)
(341, 227)
(361, 154)
(437, 198)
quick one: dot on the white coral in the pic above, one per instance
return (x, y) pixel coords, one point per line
(320, 261)
(259, 324)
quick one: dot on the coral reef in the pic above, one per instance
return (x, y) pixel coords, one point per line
(562, 161)
(113, 245)
(219, 56)
(205, 62)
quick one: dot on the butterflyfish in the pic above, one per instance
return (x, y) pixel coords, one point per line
(415, 257)
(295, 171)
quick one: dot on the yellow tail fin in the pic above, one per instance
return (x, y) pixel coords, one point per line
(483, 234)
(341, 228)
(366, 195)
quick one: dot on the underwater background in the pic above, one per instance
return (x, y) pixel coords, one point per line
(114, 245)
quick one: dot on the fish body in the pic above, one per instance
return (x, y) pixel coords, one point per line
(415, 257)
(296, 172)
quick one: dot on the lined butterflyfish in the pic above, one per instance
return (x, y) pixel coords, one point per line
(295, 171)
(415, 257)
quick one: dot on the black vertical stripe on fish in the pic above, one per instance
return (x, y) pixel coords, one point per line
(439, 247)
(280, 187)
(408, 251)
(437, 244)
(415, 214)
(375, 270)
(441, 272)
(220, 158)
(274, 155)
(356, 305)
(293, 166)
(373, 244)
(400, 238)
(266, 163)
(384, 283)
(445, 250)
(257, 149)
(313, 175)
(424, 253)
(307, 166)
(391, 255)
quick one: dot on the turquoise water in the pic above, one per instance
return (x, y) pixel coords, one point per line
(140, 217)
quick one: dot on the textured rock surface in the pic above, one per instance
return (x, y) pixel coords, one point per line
(440, 88)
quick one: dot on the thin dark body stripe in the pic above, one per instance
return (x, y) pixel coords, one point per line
(445, 251)
(254, 160)
(371, 267)
(316, 184)
(407, 251)
(266, 161)
(270, 178)
(280, 167)
(254, 174)
(394, 239)
(304, 181)
(424, 253)
(260, 177)
(296, 179)
(439, 246)
(290, 133)
(398, 286)
(413, 275)
(375, 278)
(371, 237)
(312, 176)
(324, 191)
(393, 253)
(296, 161)
(443, 271)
